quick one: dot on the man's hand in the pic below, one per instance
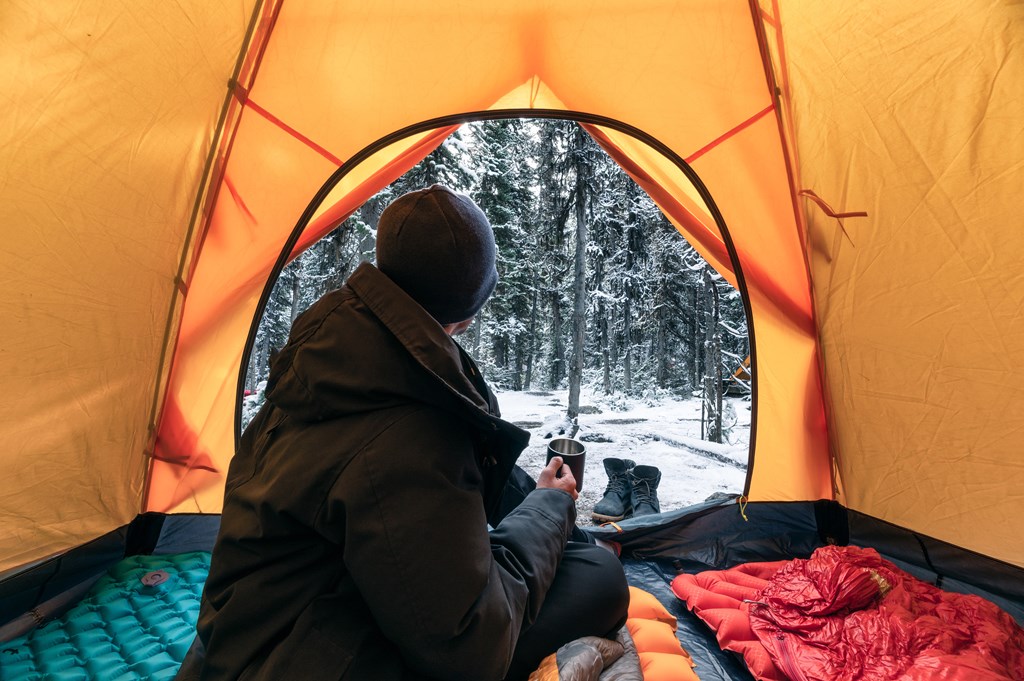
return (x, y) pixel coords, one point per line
(548, 477)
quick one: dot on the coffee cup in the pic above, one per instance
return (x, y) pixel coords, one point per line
(574, 455)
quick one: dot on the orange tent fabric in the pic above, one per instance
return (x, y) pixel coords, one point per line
(157, 158)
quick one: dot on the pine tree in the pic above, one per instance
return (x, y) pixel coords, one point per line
(552, 216)
(503, 193)
(584, 157)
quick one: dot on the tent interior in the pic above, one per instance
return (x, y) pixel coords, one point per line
(854, 169)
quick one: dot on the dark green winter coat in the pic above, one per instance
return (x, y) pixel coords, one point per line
(354, 540)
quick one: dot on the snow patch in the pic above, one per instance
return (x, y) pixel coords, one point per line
(654, 430)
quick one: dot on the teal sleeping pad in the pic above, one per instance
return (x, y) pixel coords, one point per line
(135, 624)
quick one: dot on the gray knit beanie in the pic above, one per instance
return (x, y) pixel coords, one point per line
(439, 248)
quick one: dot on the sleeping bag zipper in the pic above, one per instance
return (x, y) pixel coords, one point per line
(789, 666)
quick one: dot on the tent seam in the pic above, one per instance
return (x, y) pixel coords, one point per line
(190, 247)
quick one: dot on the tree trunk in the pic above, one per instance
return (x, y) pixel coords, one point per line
(296, 294)
(579, 307)
(627, 354)
(660, 350)
(259, 361)
(695, 338)
(712, 363)
(532, 339)
(478, 331)
(252, 373)
(500, 351)
(520, 358)
(340, 265)
(558, 347)
(602, 316)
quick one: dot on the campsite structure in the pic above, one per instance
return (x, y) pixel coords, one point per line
(855, 169)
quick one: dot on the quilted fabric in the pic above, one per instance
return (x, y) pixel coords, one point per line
(721, 598)
(848, 614)
(648, 650)
(135, 624)
(653, 630)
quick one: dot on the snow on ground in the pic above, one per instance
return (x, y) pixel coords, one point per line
(659, 432)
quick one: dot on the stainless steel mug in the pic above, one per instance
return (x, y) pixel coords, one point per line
(574, 455)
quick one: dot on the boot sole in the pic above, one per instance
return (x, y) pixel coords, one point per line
(607, 518)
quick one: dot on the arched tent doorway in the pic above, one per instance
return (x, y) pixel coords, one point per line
(669, 364)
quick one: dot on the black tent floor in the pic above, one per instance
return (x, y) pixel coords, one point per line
(711, 536)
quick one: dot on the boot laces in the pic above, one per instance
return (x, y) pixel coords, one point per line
(643, 492)
(617, 484)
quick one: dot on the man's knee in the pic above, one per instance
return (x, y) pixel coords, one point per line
(600, 580)
(589, 597)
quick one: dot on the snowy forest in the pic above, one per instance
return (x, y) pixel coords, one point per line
(597, 290)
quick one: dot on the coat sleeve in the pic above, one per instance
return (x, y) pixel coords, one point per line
(409, 513)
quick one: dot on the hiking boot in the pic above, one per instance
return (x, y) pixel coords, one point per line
(615, 503)
(643, 481)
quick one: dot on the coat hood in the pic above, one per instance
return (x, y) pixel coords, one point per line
(369, 346)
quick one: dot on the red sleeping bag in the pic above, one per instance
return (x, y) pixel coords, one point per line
(845, 614)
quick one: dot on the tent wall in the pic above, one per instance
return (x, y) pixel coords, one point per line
(109, 113)
(916, 116)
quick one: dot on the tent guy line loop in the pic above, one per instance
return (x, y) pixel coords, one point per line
(828, 210)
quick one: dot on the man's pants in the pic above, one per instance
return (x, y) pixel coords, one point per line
(588, 597)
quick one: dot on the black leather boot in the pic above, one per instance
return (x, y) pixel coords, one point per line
(643, 481)
(615, 504)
